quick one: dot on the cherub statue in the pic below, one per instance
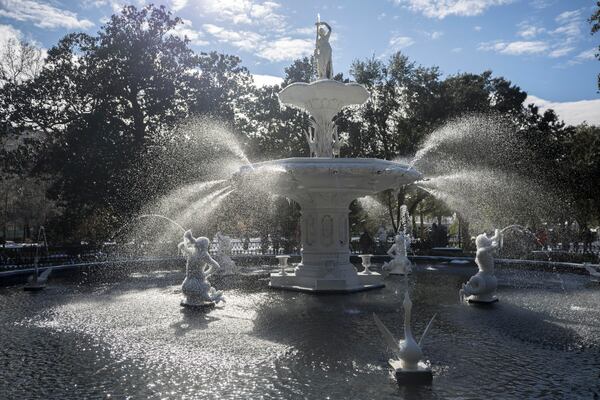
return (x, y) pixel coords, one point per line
(323, 51)
(228, 266)
(197, 291)
(482, 286)
(400, 264)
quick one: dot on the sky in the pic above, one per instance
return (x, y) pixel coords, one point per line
(543, 46)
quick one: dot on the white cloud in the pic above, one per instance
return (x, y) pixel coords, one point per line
(250, 12)
(541, 4)
(568, 16)
(434, 35)
(264, 31)
(244, 40)
(280, 49)
(515, 48)
(185, 30)
(572, 112)
(286, 49)
(587, 54)
(177, 5)
(457, 50)
(560, 52)
(266, 80)
(584, 56)
(43, 15)
(7, 32)
(306, 31)
(442, 9)
(401, 42)
(477, 28)
(529, 31)
(570, 26)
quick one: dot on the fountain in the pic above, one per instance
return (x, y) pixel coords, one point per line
(197, 291)
(482, 286)
(324, 186)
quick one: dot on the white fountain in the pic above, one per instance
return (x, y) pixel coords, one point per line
(324, 186)
(481, 288)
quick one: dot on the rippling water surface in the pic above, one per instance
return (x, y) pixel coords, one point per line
(128, 337)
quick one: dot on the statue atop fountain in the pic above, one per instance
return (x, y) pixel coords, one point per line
(400, 264)
(197, 291)
(228, 266)
(323, 51)
(323, 99)
(482, 286)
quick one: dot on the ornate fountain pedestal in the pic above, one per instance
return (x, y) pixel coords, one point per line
(326, 265)
(324, 188)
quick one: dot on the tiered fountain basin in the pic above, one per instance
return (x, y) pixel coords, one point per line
(324, 188)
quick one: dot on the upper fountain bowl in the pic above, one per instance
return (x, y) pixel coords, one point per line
(353, 177)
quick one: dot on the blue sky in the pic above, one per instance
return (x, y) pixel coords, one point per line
(544, 46)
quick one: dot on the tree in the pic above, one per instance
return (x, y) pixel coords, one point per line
(107, 105)
(19, 61)
(271, 130)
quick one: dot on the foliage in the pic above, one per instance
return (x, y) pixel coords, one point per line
(103, 118)
(107, 104)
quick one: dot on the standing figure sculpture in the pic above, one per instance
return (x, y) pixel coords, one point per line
(482, 286)
(323, 51)
(399, 264)
(197, 291)
(228, 266)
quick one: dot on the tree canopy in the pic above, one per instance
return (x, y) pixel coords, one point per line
(102, 122)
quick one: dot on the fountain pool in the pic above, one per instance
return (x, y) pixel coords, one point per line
(127, 337)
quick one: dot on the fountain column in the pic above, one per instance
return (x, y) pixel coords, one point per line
(325, 239)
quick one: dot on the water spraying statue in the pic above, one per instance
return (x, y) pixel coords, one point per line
(197, 291)
(400, 264)
(228, 266)
(408, 368)
(482, 286)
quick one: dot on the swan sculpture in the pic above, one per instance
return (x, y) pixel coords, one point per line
(408, 368)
